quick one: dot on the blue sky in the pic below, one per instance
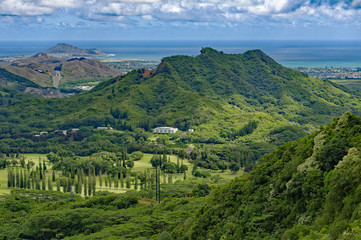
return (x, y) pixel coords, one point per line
(179, 19)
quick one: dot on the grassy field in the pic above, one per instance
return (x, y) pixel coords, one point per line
(28, 157)
(139, 166)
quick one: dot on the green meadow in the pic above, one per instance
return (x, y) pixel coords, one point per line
(139, 167)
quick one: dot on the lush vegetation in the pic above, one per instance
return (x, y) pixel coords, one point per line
(240, 105)
(306, 189)
(30, 214)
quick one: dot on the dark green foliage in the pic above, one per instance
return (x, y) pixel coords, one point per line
(295, 191)
(234, 167)
(53, 215)
(108, 202)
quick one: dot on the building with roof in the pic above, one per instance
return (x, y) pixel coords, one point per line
(164, 130)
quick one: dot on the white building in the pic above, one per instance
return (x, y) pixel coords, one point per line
(164, 130)
(104, 128)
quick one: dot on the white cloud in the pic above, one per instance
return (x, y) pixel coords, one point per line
(23, 8)
(61, 3)
(185, 10)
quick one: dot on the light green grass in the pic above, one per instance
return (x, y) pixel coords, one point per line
(139, 166)
(4, 181)
(144, 163)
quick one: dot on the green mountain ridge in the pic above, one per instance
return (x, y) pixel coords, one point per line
(306, 189)
(215, 93)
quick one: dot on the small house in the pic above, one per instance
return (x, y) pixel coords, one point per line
(164, 130)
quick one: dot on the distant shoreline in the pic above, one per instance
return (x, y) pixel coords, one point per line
(290, 53)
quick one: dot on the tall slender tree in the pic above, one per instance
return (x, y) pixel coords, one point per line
(17, 177)
(10, 177)
(100, 181)
(85, 186)
(58, 185)
(44, 166)
(37, 181)
(145, 179)
(90, 185)
(128, 179)
(110, 181)
(21, 185)
(136, 181)
(53, 175)
(28, 180)
(116, 182)
(121, 180)
(43, 182)
(105, 181)
(40, 168)
(50, 184)
(94, 184)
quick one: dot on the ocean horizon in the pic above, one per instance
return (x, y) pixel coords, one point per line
(290, 53)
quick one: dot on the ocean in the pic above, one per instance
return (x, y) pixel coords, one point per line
(288, 53)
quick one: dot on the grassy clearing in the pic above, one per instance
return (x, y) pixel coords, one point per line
(28, 157)
(139, 166)
(144, 163)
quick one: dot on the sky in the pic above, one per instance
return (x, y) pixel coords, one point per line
(180, 19)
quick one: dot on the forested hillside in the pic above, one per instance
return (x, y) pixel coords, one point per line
(210, 92)
(240, 105)
(306, 189)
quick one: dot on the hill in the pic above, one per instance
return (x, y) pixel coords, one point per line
(40, 68)
(233, 101)
(306, 189)
(67, 50)
(212, 92)
(9, 80)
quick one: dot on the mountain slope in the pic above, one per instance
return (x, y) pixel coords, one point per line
(215, 93)
(297, 190)
(64, 49)
(16, 82)
(40, 69)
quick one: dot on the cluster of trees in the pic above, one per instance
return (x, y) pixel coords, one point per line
(164, 163)
(245, 130)
(28, 178)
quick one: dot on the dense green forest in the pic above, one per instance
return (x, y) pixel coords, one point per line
(305, 189)
(240, 105)
(247, 112)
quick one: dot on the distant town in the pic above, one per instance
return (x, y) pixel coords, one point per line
(128, 65)
(332, 73)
